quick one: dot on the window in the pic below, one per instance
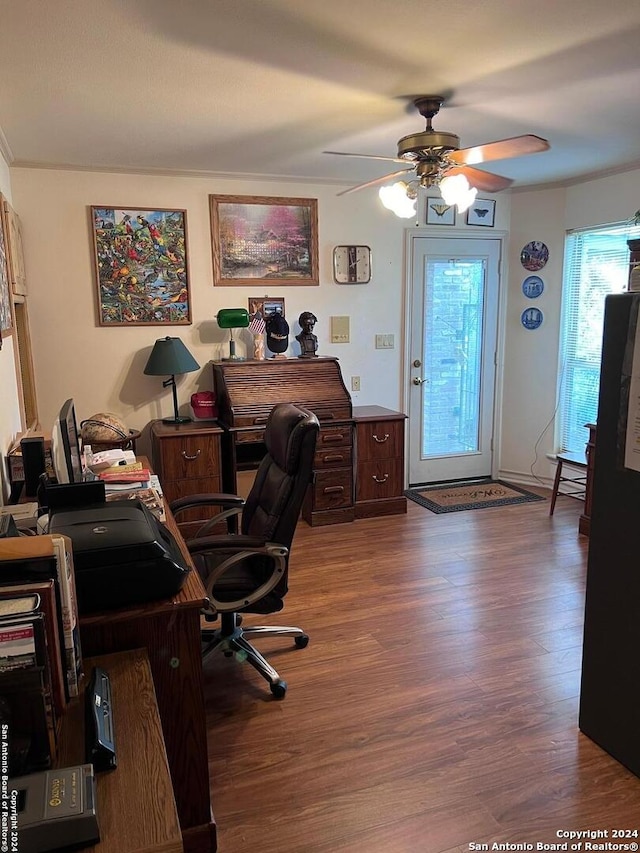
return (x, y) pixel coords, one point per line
(596, 264)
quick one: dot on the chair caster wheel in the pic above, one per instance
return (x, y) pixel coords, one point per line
(279, 689)
(302, 642)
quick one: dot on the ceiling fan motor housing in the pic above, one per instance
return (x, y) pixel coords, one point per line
(419, 146)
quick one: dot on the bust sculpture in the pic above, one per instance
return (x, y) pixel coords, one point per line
(307, 340)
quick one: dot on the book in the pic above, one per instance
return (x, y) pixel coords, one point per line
(19, 605)
(24, 649)
(39, 558)
(140, 476)
(121, 469)
(46, 593)
(149, 497)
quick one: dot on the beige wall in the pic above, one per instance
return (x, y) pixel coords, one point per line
(101, 368)
(531, 358)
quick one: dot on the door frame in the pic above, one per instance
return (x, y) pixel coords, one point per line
(436, 233)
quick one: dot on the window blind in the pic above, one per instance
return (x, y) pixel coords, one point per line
(596, 263)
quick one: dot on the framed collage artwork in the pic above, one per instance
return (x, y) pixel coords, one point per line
(141, 272)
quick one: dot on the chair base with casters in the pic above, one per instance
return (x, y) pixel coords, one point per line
(231, 639)
(247, 571)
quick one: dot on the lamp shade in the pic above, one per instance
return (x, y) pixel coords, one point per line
(168, 357)
(233, 318)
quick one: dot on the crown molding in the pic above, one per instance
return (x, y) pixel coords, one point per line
(176, 173)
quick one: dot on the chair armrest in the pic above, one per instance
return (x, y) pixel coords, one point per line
(234, 504)
(212, 499)
(248, 546)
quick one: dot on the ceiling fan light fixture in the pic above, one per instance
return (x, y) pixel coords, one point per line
(455, 189)
(398, 198)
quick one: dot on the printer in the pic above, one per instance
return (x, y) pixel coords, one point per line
(122, 555)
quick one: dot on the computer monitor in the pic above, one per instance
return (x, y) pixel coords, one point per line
(65, 441)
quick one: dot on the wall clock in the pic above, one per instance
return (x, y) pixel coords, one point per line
(352, 264)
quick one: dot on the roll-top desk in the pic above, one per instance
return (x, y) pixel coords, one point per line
(359, 461)
(246, 391)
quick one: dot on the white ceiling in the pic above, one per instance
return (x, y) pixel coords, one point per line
(262, 87)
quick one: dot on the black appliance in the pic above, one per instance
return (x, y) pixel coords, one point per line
(122, 555)
(610, 690)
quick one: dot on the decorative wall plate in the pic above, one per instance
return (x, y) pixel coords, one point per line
(534, 255)
(531, 318)
(532, 286)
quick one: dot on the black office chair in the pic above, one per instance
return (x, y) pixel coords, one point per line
(247, 572)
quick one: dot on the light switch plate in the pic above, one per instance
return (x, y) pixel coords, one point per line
(339, 330)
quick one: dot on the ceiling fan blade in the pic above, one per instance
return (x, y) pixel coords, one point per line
(503, 149)
(368, 156)
(485, 181)
(375, 181)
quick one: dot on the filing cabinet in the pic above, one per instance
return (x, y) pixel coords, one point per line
(186, 458)
(379, 468)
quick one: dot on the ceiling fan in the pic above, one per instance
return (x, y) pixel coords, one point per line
(433, 155)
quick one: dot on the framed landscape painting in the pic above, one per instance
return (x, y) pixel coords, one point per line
(141, 266)
(257, 240)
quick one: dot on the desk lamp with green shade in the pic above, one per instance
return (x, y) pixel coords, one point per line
(170, 356)
(233, 318)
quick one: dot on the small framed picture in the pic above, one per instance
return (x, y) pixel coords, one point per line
(440, 213)
(482, 212)
(265, 305)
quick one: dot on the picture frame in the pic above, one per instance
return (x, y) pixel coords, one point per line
(266, 305)
(440, 213)
(141, 267)
(258, 239)
(482, 212)
(6, 315)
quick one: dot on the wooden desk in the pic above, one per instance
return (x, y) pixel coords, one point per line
(170, 631)
(135, 802)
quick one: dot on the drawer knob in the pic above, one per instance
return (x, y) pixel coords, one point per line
(380, 479)
(333, 457)
(333, 490)
(190, 458)
(382, 440)
(334, 436)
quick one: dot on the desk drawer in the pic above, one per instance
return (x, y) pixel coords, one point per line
(380, 440)
(376, 480)
(332, 457)
(333, 489)
(340, 435)
(189, 456)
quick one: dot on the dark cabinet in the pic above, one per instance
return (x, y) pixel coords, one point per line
(186, 458)
(380, 461)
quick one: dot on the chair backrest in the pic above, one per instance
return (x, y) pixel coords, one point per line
(275, 500)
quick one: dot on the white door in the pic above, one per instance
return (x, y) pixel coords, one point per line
(453, 339)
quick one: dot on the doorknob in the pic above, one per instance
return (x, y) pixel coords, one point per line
(418, 381)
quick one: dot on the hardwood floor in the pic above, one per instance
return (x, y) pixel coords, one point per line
(437, 702)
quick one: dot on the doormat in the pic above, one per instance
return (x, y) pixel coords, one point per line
(459, 496)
